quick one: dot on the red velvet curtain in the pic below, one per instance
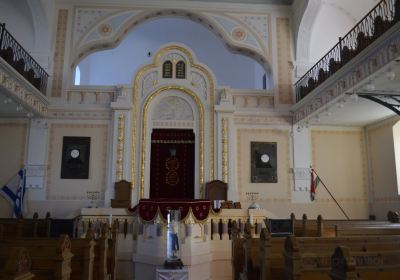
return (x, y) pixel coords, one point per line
(172, 163)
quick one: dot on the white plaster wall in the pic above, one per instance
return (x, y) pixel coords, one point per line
(234, 70)
(12, 156)
(382, 167)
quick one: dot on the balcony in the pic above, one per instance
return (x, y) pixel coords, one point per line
(363, 58)
(23, 82)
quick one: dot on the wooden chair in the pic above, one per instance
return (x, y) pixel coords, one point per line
(216, 190)
(122, 195)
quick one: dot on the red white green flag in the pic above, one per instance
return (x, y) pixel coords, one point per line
(314, 184)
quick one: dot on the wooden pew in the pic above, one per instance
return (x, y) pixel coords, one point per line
(51, 257)
(112, 251)
(372, 229)
(83, 261)
(309, 257)
(271, 256)
(251, 245)
(21, 227)
(100, 259)
(348, 264)
(17, 266)
(237, 251)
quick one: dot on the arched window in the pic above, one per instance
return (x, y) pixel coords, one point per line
(180, 70)
(167, 69)
(77, 76)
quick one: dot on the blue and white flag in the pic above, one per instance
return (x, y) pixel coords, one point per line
(14, 192)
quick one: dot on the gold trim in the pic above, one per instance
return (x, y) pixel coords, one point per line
(138, 77)
(144, 132)
(224, 150)
(120, 147)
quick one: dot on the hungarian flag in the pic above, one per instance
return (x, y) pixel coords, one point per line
(314, 184)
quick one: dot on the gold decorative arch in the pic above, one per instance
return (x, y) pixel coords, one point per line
(211, 100)
(200, 108)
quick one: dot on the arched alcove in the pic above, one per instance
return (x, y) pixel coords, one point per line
(116, 66)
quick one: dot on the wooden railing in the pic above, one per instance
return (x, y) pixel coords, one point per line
(380, 19)
(16, 56)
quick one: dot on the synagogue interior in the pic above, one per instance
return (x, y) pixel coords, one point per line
(199, 139)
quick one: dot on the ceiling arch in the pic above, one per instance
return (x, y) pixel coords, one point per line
(110, 29)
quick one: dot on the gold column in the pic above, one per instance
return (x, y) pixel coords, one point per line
(224, 150)
(120, 147)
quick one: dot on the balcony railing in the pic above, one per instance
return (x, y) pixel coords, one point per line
(16, 56)
(381, 18)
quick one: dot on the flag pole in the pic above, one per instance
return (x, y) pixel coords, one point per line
(326, 188)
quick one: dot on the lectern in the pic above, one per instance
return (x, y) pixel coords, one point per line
(122, 195)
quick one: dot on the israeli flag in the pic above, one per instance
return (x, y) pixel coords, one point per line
(14, 192)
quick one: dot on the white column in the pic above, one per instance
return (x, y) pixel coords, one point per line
(120, 141)
(301, 164)
(225, 147)
(36, 159)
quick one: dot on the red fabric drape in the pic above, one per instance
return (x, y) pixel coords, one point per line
(172, 163)
(147, 208)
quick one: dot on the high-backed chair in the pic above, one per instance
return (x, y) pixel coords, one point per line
(216, 190)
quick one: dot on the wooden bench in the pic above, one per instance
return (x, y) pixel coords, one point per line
(271, 256)
(306, 227)
(83, 250)
(372, 229)
(17, 266)
(112, 251)
(349, 264)
(51, 257)
(22, 227)
(237, 251)
(100, 271)
(309, 257)
(251, 246)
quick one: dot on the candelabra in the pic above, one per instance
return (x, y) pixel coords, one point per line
(92, 196)
(253, 196)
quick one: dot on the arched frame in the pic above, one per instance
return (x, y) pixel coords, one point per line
(211, 91)
(109, 42)
(144, 135)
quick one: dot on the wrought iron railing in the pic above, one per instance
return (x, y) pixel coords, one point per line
(381, 18)
(16, 56)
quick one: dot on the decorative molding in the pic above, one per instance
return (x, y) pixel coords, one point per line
(149, 82)
(21, 90)
(199, 82)
(225, 156)
(80, 114)
(83, 95)
(173, 124)
(120, 147)
(262, 120)
(173, 108)
(59, 50)
(285, 69)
